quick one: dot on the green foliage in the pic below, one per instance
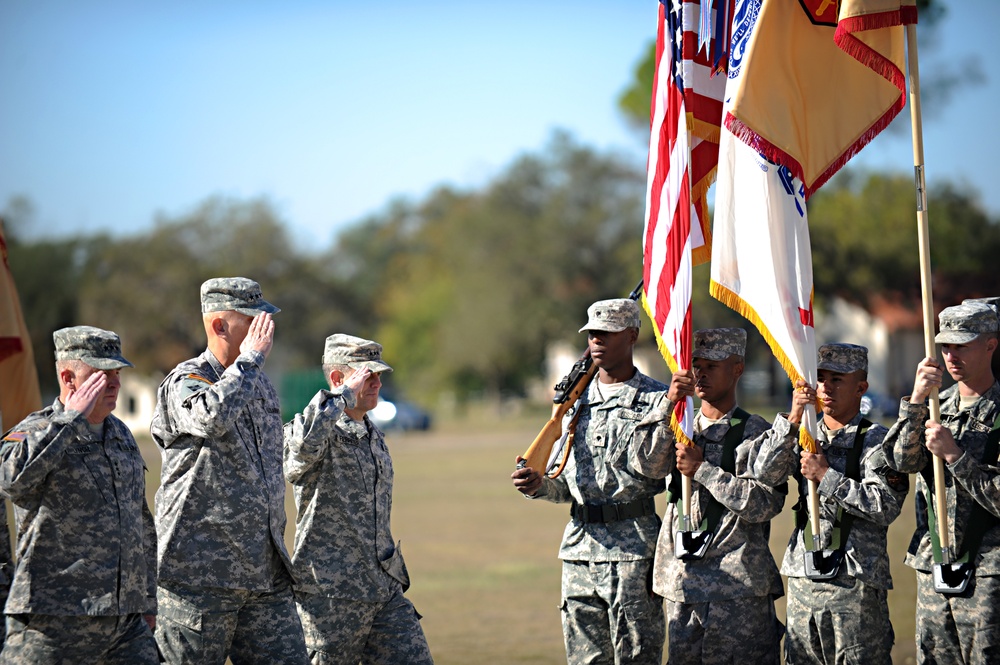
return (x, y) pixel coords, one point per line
(864, 236)
(464, 289)
(489, 278)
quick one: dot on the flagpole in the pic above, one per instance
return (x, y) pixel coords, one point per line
(923, 238)
(809, 423)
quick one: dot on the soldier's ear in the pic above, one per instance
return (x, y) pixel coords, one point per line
(991, 343)
(67, 377)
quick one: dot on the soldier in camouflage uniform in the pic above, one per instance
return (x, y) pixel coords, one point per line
(720, 607)
(86, 546)
(846, 618)
(225, 581)
(965, 627)
(609, 611)
(350, 575)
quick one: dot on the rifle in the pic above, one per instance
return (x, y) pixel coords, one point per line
(567, 392)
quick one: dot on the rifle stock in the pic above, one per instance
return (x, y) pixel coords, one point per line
(568, 391)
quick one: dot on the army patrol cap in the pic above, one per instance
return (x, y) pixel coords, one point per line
(993, 302)
(612, 315)
(719, 343)
(234, 294)
(354, 352)
(843, 358)
(101, 349)
(963, 323)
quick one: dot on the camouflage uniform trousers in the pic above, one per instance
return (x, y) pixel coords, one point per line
(204, 625)
(839, 621)
(348, 632)
(46, 639)
(741, 630)
(610, 613)
(962, 628)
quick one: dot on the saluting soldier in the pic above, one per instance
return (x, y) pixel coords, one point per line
(958, 616)
(350, 574)
(838, 605)
(720, 586)
(609, 612)
(225, 582)
(84, 588)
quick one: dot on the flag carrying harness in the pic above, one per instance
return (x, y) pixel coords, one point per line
(825, 564)
(953, 577)
(694, 544)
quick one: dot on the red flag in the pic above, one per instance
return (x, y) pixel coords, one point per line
(19, 394)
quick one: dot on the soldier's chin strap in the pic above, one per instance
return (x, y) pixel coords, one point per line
(824, 564)
(953, 577)
(690, 545)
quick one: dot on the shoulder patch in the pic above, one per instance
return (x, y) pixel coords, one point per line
(16, 436)
(196, 377)
(897, 481)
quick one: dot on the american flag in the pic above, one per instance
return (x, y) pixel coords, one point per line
(667, 235)
(703, 64)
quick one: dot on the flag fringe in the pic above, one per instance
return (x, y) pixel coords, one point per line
(677, 428)
(742, 307)
(776, 155)
(706, 131)
(863, 54)
(699, 197)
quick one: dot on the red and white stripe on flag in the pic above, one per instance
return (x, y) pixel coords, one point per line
(667, 235)
(703, 63)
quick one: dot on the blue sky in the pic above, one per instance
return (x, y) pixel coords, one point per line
(117, 111)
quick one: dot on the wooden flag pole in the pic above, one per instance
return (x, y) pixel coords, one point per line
(809, 423)
(686, 498)
(923, 237)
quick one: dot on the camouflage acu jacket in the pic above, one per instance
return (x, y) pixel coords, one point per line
(600, 470)
(220, 509)
(341, 473)
(967, 482)
(86, 544)
(738, 563)
(875, 499)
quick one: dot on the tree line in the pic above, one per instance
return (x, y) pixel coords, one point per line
(464, 288)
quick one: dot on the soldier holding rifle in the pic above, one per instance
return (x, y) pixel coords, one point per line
(609, 611)
(958, 591)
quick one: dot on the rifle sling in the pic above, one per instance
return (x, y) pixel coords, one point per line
(980, 519)
(843, 522)
(732, 439)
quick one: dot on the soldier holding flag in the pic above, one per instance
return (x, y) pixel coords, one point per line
(841, 612)
(721, 598)
(958, 606)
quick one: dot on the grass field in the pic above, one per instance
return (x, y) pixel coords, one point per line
(483, 560)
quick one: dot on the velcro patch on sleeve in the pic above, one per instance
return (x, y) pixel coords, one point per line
(897, 481)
